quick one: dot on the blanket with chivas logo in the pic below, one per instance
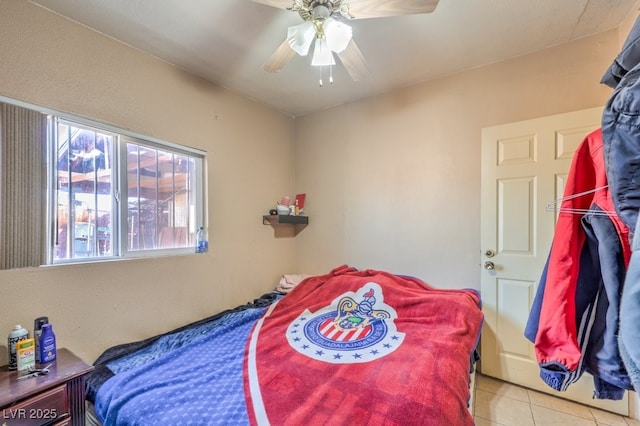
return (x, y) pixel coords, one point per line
(352, 347)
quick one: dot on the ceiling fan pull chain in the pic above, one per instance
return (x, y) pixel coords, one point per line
(320, 69)
(330, 74)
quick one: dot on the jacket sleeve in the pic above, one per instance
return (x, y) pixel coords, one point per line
(556, 343)
(531, 328)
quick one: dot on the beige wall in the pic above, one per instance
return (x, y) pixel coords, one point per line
(50, 61)
(398, 186)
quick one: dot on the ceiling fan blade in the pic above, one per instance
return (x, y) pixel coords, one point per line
(361, 9)
(280, 4)
(353, 60)
(280, 57)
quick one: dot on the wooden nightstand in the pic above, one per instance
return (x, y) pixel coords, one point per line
(54, 399)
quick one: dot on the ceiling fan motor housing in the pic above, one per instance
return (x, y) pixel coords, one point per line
(317, 10)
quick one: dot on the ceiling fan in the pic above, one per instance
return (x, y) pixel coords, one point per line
(322, 24)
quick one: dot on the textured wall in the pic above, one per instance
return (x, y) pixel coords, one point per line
(395, 180)
(50, 61)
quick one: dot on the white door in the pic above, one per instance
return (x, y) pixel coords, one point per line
(524, 167)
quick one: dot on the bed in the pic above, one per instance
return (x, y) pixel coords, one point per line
(348, 347)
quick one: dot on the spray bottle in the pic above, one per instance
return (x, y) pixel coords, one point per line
(17, 334)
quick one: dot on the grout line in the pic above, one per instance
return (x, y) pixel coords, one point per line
(533, 417)
(493, 422)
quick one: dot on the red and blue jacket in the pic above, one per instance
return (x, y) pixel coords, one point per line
(574, 318)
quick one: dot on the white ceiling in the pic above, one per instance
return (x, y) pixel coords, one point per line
(228, 41)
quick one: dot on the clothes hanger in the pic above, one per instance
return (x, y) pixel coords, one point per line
(553, 205)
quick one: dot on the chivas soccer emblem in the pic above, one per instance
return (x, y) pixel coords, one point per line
(356, 327)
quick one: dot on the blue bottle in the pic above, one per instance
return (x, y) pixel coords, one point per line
(47, 344)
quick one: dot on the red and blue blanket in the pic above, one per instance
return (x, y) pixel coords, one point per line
(349, 347)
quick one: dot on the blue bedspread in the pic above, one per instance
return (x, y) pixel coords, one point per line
(194, 377)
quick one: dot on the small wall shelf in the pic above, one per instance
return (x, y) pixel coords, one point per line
(298, 222)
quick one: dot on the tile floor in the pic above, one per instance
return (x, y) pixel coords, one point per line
(502, 404)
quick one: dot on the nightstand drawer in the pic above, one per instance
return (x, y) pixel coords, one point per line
(41, 409)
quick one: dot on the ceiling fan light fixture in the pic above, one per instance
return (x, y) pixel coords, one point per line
(322, 55)
(301, 36)
(333, 36)
(338, 34)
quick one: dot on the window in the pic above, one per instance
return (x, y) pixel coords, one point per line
(117, 195)
(84, 191)
(72, 190)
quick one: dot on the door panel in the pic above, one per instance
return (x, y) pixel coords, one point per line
(515, 200)
(524, 169)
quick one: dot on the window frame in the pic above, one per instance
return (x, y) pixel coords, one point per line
(119, 184)
(199, 191)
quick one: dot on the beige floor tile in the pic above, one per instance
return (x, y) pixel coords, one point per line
(502, 410)
(498, 403)
(548, 417)
(498, 387)
(559, 404)
(607, 418)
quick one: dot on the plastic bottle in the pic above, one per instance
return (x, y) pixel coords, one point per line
(297, 208)
(202, 246)
(37, 332)
(47, 344)
(17, 334)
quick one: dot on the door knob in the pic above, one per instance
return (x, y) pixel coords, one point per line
(488, 265)
(489, 253)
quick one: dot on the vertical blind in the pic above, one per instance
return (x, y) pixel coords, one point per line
(23, 180)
